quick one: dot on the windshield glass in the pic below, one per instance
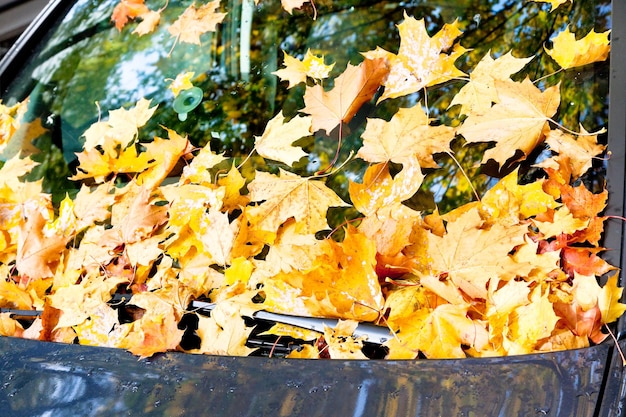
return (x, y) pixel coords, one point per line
(88, 68)
(431, 173)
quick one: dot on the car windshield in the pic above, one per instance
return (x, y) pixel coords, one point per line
(87, 68)
(437, 162)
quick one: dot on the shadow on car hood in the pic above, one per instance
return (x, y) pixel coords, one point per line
(71, 380)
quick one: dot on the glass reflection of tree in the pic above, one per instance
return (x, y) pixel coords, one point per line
(116, 69)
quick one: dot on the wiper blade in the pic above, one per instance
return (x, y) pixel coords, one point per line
(370, 332)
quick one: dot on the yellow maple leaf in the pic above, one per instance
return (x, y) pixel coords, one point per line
(296, 71)
(277, 138)
(225, 332)
(569, 52)
(609, 300)
(421, 61)
(121, 128)
(439, 332)
(511, 202)
(480, 92)
(407, 134)
(341, 343)
(342, 283)
(181, 82)
(233, 183)
(164, 154)
(555, 3)
(532, 322)
(10, 120)
(195, 21)
(157, 329)
(380, 190)
(149, 21)
(293, 251)
(217, 235)
(471, 255)
(516, 122)
(13, 296)
(78, 302)
(289, 195)
(91, 205)
(197, 171)
(38, 252)
(103, 329)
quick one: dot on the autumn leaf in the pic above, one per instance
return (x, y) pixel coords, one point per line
(516, 122)
(555, 3)
(12, 296)
(296, 71)
(181, 82)
(37, 253)
(533, 322)
(164, 154)
(341, 283)
(341, 343)
(575, 153)
(387, 221)
(478, 95)
(195, 21)
(407, 134)
(289, 195)
(149, 21)
(569, 52)
(225, 332)
(438, 333)
(353, 88)
(511, 202)
(121, 128)
(380, 190)
(471, 255)
(609, 300)
(78, 302)
(197, 171)
(289, 5)
(10, 120)
(126, 10)
(421, 61)
(277, 138)
(157, 329)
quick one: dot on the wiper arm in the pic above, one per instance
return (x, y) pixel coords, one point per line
(370, 332)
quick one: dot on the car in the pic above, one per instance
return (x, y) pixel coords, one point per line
(76, 67)
(15, 16)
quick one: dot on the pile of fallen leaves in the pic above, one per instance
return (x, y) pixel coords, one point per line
(514, 272)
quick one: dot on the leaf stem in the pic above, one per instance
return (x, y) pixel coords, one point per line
(465, 175)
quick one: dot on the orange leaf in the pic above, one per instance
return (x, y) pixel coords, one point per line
(38, 253)
(126, 10)
(354, 87)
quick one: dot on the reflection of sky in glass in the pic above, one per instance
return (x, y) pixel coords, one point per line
(132, 74)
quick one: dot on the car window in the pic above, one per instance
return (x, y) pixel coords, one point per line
(88, 67)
